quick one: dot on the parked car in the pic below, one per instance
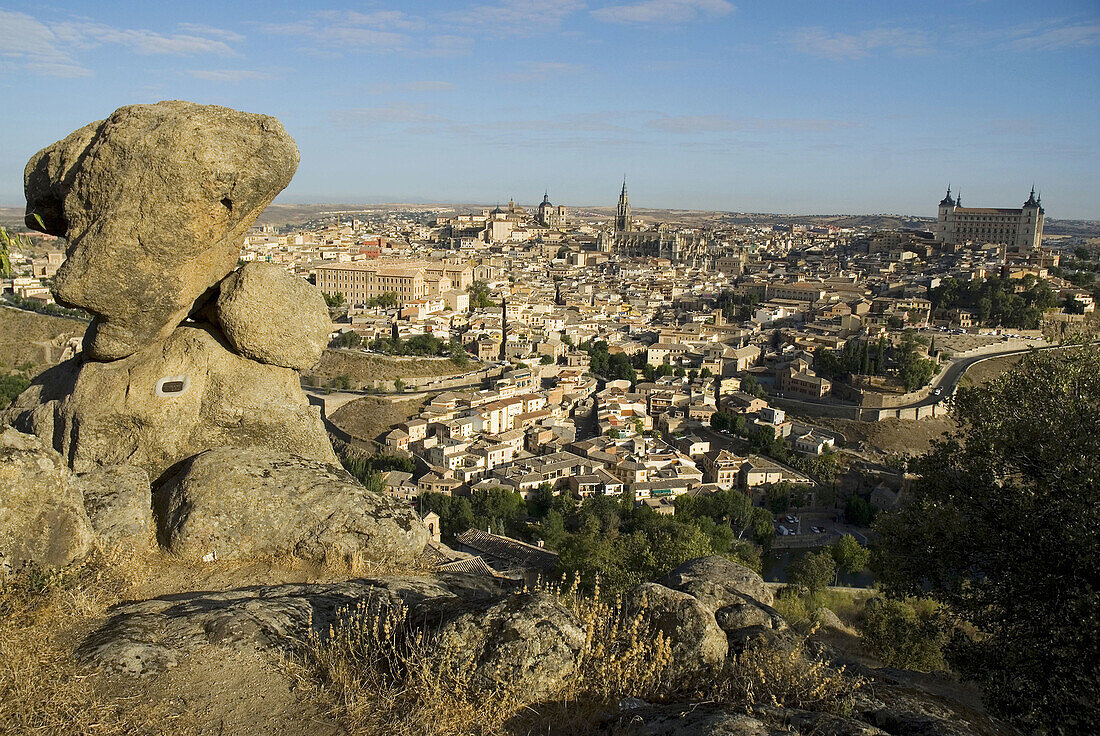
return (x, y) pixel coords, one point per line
(783, 531)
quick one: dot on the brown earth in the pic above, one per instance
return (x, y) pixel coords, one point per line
(214, 690)
(989, 369)
(366, 419)
(890, 436)
(363, 369)
(28, 337)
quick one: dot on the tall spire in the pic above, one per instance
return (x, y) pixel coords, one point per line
(622, 218)
(1031, 201)
(503, 328)
(959, 198)
(947, 201)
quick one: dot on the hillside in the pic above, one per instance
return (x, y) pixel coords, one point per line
(363, 369)
(33, 342)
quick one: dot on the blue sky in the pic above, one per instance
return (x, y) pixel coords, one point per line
(772, 106)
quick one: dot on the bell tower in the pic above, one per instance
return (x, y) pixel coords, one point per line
(622, 218)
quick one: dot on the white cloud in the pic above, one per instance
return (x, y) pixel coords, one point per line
(384, 31)
(1062, 36)
(57, 69)
(35, 48)
(663, 11)
(357, 117)
(687, 124)
(819, 42)
(198, 29)
(51, 49)
(533, 71)
(418, 86)
(516, 17)
(85, 34)
(230, 75)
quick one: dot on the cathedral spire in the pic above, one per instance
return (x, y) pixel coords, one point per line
(622, 218)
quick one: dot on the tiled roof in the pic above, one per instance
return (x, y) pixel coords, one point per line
(508, 549)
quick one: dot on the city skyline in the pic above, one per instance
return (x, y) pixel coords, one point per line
(706, 105)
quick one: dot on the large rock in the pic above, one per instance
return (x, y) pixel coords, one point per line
(273, 316)
(527, 645)
(154, 201)
(145, 637)
(119, 502)
(698, 645)
(42, 517)
(718, 581)
(243, 502)
(167, 403)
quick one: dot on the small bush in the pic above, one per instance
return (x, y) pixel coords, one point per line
(909, 634)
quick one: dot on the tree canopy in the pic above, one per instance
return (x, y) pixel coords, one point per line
(1002, 528)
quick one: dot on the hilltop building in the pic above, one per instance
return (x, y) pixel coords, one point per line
(409, 280)
(623, 223)
(662, 242)
(1017, 228)
(549, 215)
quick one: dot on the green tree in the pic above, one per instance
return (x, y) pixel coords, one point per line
(386, 300)
(849, 555)
(857, 511)
(811, 573)
(398, 385)
(1001, 528)
(479, 295)
(349, 339)
(720, 420)
(909, 634)
(750, 386)
(11, 386)
(619, 368)
(333, 300)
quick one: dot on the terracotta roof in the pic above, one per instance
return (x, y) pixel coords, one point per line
(510, 550)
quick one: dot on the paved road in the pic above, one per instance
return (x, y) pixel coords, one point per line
(947, 381)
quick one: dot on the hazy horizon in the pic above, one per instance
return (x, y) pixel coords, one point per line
(702, 104)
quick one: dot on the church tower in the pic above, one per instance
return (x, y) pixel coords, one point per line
(545, 210)
(622, 219)
(503, 329)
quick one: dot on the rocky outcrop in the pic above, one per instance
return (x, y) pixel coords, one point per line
(153, 201)
(718, 581)
(42, 518)
(698, 645)
(493, 638)
(145, 637)
(272, 316)
(246, 502)
(118, 500)
(527, 645)
(165, 404)
(735, 598)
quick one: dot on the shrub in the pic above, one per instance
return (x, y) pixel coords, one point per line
(909, 634)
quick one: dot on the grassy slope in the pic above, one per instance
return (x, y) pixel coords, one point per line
(363, 368)
(27, 337)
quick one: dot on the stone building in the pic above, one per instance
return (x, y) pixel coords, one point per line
(1016, 228)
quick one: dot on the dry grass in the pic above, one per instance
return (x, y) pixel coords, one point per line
(363, 369)
(33, 341)
(42, 688)
(44, 615)
(763, 675)
(799, 611)
(376, 673)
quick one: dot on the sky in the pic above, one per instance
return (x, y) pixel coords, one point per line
(767, 106)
